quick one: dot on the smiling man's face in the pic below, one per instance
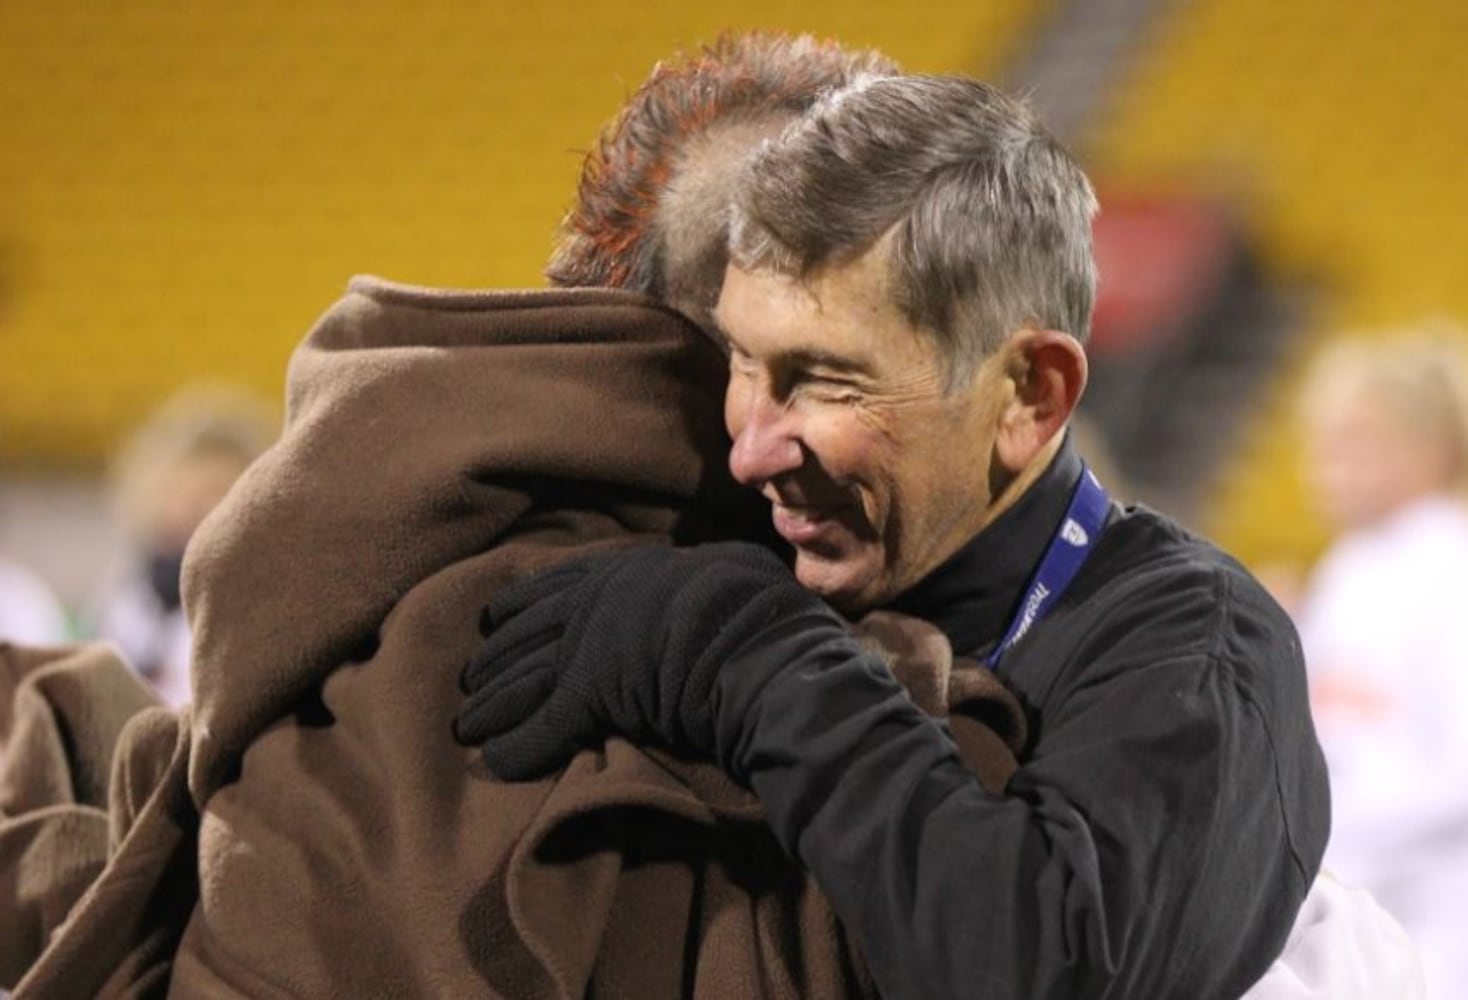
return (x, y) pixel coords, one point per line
(840, 416)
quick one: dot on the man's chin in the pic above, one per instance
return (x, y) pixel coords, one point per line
(847, 584)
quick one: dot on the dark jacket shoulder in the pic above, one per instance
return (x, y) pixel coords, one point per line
(1153, 591)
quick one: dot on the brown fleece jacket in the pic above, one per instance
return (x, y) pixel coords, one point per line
(61, 711)
(312, 829)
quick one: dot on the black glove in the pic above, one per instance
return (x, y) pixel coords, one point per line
(631, 643)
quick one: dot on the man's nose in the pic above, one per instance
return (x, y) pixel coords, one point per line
(766, 438)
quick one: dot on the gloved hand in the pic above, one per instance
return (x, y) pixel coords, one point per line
(631, 643)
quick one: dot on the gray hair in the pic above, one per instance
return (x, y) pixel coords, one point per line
(989, 215)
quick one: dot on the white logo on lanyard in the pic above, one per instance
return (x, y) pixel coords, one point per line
(1032, 610)
(1073, 533)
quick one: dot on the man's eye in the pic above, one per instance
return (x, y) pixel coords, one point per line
(828, 389)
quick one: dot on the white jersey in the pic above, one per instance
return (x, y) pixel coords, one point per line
(30, 615)
(1386, 647)
(1343, 947)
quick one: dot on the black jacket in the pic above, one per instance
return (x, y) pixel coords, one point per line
(1166, 820)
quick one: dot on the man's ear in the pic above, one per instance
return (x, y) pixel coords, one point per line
(1048, 369)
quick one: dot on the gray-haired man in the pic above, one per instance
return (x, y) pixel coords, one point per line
(910, 287)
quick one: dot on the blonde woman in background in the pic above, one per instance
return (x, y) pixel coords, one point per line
(1386, 422)
(172, 472)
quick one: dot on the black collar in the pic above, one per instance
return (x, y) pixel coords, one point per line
(973, 595)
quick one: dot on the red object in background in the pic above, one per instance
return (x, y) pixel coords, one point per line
(1162, 258)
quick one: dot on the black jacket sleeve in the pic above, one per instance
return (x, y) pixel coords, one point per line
(1156, 842)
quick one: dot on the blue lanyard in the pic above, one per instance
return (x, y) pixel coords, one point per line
(1073, 541)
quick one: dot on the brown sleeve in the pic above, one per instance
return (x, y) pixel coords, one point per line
(61, 712)
(144, 751)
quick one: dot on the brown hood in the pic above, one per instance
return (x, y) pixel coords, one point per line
(439, 444)
(422, 427)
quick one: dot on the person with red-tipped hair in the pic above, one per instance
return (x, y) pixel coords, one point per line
(308, 826)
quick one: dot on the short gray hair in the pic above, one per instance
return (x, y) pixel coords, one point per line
(990, 217)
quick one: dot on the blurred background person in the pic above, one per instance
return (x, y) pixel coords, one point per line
(30, 614)
(1386, 433)
(166, 479)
